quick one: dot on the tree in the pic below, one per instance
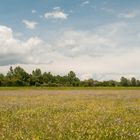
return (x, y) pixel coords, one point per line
(133, 81)
(17, 77)
(10, 73)
(124, 82)
(21, 74)
(1, 79)
(37, 78)
(89, 83)
(72, 79)
(48, 77)
(138, 82)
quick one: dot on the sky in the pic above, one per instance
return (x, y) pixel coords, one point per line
(97, 39)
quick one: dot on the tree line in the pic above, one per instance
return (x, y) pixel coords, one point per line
(19, 77)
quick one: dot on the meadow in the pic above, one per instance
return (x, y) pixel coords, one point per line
(102, 114)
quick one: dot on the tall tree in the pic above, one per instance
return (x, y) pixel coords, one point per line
(1, 79)
(37, 78)
(72, 79)
(124, 82)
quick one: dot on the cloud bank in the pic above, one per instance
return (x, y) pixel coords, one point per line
(111, 48)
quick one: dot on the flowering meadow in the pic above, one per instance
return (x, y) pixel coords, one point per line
(70, 115)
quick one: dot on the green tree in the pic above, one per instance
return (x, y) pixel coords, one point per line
(2, 79)
(124, 82)
(48, 78)
(133, 81)
(89, 83)
(138, 82)
(37, 78)
(10, 73)
(72, 79)
(17, 77)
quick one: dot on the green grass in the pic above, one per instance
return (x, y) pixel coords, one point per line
(83, 115)
(69, 88)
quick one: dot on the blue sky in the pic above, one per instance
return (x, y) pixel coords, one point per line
(81, 16)
(101, 37)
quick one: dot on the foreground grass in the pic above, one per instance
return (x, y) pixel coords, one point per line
(82, 116)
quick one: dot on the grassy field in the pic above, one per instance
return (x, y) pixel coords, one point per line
(69, 88)
(69, 114)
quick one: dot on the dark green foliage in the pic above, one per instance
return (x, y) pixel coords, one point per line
(19, 77)
(16, 77)
(36, 77)
(133, 81)
(1, 79)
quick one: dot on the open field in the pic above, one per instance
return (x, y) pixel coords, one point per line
(68, 88)
(69, 114)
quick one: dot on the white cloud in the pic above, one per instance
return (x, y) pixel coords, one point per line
(56, 14)
(30, 24)
(85, 3)
(129, 15)
(111, 50)
(76, 43)
(34, 11)
(14, 51)
(57, 8)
